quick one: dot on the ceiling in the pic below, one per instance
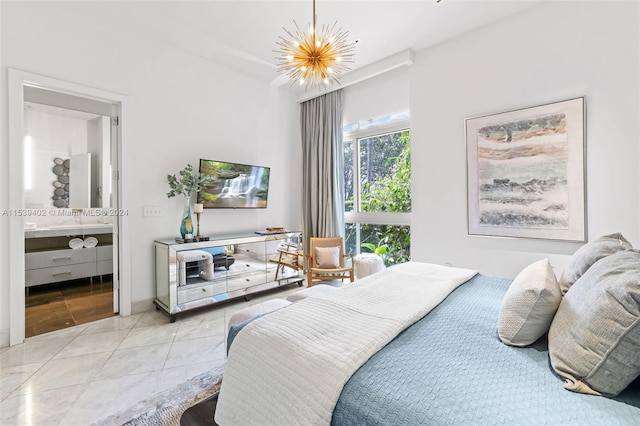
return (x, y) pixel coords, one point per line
(242, 34)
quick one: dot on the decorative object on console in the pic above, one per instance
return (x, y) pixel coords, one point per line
(197, 209)
(186, 184)
(186, 224)
(273, 230)
(525, 172)
(315, 57)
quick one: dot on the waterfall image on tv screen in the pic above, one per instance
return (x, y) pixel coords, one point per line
(234, 185)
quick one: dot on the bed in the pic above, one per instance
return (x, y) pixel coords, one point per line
(449, 366)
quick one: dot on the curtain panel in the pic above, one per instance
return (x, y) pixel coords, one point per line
(322, 167)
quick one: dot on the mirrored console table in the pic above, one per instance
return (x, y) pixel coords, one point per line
(197, 274)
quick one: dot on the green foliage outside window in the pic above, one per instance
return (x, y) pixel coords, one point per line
(391, 192)
(385, 182)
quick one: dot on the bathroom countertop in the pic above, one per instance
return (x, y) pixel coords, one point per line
(65, 230)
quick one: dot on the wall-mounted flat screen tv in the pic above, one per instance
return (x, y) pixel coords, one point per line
(234, 186)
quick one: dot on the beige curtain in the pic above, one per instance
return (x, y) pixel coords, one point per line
(322, 167)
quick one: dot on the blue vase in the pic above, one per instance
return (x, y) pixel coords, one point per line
(186, 225)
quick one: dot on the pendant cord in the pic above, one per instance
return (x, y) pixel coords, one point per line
(314, 19)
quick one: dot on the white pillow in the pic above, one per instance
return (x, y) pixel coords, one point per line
(327, 257)
(529, 305)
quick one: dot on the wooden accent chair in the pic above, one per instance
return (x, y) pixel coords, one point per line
(326, 260)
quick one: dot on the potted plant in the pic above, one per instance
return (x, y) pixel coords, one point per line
(186, 183)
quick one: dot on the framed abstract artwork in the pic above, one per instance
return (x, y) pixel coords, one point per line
(526, 172)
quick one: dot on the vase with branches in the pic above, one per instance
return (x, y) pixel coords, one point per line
(185, 183)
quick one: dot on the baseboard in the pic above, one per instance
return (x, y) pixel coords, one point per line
(141, 306)
(4, 338)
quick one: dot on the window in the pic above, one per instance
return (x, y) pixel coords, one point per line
(377, 172)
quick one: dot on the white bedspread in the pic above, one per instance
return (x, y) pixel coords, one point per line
(289, 367)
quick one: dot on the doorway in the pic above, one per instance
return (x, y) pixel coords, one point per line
(52, 124)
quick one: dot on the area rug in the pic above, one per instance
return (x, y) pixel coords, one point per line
(166, 409)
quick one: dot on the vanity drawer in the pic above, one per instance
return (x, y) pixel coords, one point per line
(46, 259)
(199, 292)
(104, 252)
(59, 273)
(104, 267)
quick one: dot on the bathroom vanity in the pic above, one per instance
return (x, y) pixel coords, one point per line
(49, 257)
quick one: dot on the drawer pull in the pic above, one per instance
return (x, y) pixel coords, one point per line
(204, 289)
(62, 258)
(61, 273)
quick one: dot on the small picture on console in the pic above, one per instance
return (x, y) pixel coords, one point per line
(234, 186)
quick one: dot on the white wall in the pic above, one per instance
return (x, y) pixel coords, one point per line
(376, 97)
(548, 53)
(52, 136)
(179, 108)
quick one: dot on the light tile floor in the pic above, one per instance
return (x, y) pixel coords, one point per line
(82, 374)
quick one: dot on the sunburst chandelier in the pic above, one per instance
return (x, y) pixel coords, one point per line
(315, 58)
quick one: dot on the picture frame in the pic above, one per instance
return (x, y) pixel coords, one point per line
(526, 172)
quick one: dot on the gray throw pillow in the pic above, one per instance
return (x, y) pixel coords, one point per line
(588, 254)
(594, 339)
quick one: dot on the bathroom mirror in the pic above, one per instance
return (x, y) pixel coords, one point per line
(67, 157)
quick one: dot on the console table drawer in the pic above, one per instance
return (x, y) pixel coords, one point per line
(246, 281)
(46, 259)
(199, 292)
(59, 273)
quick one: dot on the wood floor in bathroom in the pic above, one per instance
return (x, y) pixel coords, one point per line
(53, 307)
